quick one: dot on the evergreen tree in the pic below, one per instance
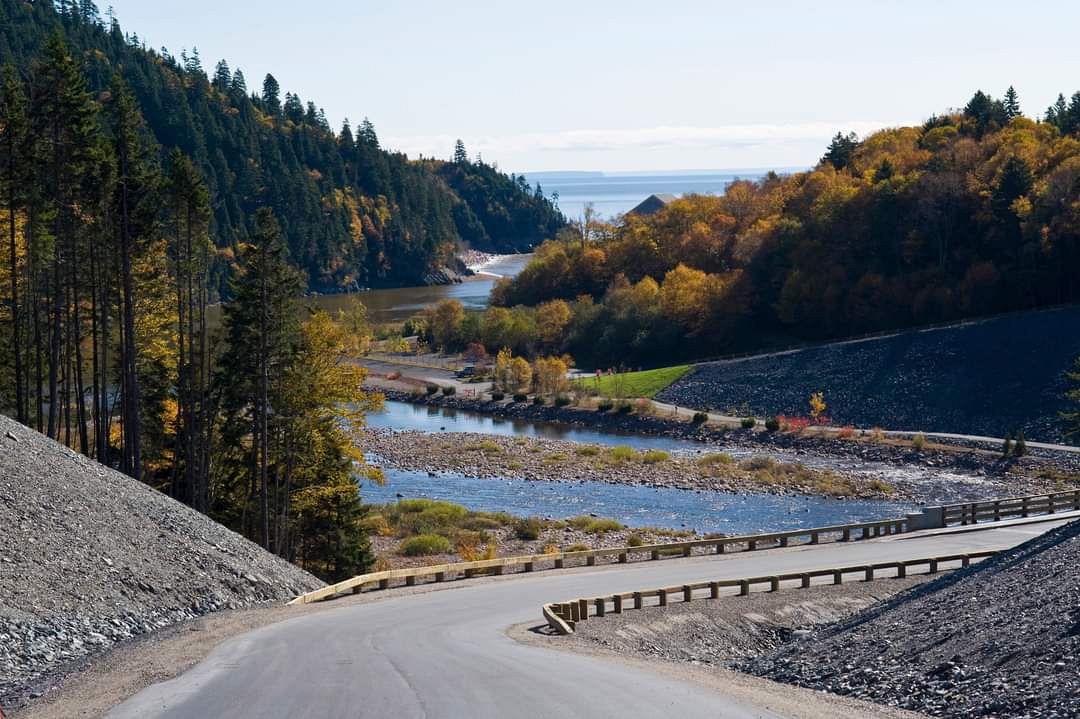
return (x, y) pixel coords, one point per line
(460, 156)
(1071, 418)
(271, 95)
(239, 84)
(1058, 113)
(1011, 103)
(14, 166)
(222, 77)
(1020, 448)
(841, 149)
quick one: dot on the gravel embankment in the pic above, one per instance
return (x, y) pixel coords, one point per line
(1001, 639)
(90, 557)
(988, 378)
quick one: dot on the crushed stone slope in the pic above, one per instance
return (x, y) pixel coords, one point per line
(90, 557)
(985, 377)
(1001, 639)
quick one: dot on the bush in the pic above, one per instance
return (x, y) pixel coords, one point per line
(655, 456)
(431, 389)
(749, 422)
(424, 545)
(449, 390)
(519, 397)
(602, 526)
(918, 442)
(605, 406)
(539, 401)
(562, 401)
(423, 516)
(528, 529)
(624, 408)
(634, 540)
(714, 458)
(846, 432)
(1020, 448)
(877, 435)
(700, 418)
(772, 424)
(578, 547)
(643, 407)
(487, 445)
(1007, 447)
(622, 453)
(587, 450)
(497, 396)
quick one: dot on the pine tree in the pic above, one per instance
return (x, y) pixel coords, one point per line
(222, 77)
(1011, 103)
(1020, 448)
(1007, 446)
(460, 156)
(841, 149)
(239, 84)
(14, 131)
(271, 95)
(1058, 113)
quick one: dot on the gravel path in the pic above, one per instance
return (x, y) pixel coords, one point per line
(90, 558)
(987, 377)
(1001, 639)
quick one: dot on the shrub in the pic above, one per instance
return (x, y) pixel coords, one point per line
(562, 401)
(1006, 447)
(634, 540)
(519, 397)
(376, 524)
(449, 390)
(424, 545)
(431, 389)
(846, 432)
(538, 400)
(1020, 448)
(602, 526)
(422, 516)
(622, 453)
(486, 445)
(481, 523)
(528, 529)
(551, 549)
(714, 458)
(877, 434)
(624, 408)
(700, 418)
(918, 442)
(772, 424)
(754, 464)
(655, 456)
(497, 396)
(579, 522)
(587, 450)
(578, 547)
(748, 422)
(643, 407)
(605, 406)
(880, 485)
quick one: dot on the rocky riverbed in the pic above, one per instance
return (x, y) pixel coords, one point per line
(496, 456)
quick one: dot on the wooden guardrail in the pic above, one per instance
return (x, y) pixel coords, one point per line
(563, 616)
(998, 509)
(589, 557)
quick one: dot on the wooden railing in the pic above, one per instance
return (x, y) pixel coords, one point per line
(590, 557)
(998, 509)
(563, 616)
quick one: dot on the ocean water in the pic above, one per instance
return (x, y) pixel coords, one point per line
(615, 193)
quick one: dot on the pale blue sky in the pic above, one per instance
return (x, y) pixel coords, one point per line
(629, 85)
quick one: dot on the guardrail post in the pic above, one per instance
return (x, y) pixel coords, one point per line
(499, 569)
(528, 566)
(618, 604)
(783, 542)
(687, 551)
(933, 566)
(714, 590)
(384, 584)
(559, 563)
(837, 577)
(575, 612)
(655, 554)
(1024, 506)
(805, 581)
(721, 548)
(997, 510)
(583, 609)
(687, 593)
(815, 537)
(751, 545)
(965, 561)
(410, 581)
(901, 570)
(470, 573)
(663, 597)
(869, 574)
(440, 576)
(847, 535)
(637, 600)
(624, 557)
(590, 561)
(774, 584)
(1050, 504)
(744, 588)
(601, 606)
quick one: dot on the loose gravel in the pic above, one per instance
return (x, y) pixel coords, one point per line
(90, 558)
(1001, 639)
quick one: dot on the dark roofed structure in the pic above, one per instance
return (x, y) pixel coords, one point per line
(653, 203)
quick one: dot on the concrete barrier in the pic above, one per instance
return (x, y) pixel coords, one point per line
(563, 616)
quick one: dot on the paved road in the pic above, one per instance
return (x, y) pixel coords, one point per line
(446, 654)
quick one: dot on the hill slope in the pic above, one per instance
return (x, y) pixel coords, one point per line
(1001, 639)
(353, 213)
(90, 557)
(988, 377)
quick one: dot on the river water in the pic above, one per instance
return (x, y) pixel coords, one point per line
(704, 511)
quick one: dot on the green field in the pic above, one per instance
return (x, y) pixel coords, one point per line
(635, 384)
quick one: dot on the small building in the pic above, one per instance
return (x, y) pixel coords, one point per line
(653, 204)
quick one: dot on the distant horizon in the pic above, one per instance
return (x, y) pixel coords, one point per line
(678, 172)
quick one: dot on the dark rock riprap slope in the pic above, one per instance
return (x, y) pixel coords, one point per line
(1001, 639)
(90, 557)
(987, 377)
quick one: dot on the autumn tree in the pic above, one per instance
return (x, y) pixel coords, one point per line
(444, 324)
(1071, 417)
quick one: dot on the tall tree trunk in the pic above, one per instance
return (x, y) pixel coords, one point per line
(132, 433)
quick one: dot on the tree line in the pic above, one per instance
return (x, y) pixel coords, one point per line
(352, 213)
(977, 211)
(107, 347)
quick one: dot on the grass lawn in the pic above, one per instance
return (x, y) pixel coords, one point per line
(636, 384)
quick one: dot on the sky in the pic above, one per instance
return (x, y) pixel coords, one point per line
(623, 85)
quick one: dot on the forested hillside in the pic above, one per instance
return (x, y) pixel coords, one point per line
(352, 213)
(974, 212)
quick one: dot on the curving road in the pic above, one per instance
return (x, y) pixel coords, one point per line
(446, 653)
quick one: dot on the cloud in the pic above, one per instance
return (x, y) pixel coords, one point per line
(646, 138)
